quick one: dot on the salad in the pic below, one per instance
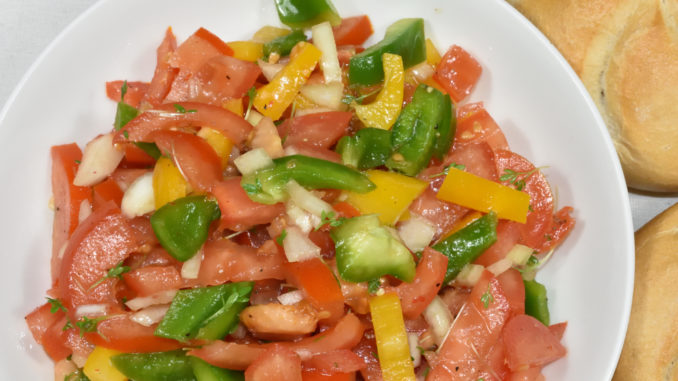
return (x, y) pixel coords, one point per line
(298, 206)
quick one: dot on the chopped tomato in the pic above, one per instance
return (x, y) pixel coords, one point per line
(512, 285)
(194, 157)
(474, 332)
(67, 199)
(167, 116)
(443, 214)
(198, 48)
(99, 243)
(476, 158)
(315, 375)
(164, 73)
(136, 157)
(124, 177)
(107, 190)
(508, 234)
(135, 91)
(457, 73)
(367, 350)
(416, 296)
(229, 355)
(276, 363)
(339, 361)
(319, 285)
(121, 333)
(494, 368)
(323, 240)
(529, 374)
(225, 261)
(353, 30)
(238, 211)
(475, 125)
(265, 291)
(152, 279)
(529, 343)
(314, 151)
(563, 223)
(321, 129)
(345, 209)
(40, 322)
(558, 330)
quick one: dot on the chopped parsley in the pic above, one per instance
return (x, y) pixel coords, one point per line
(86, 324)
(517, 179)
(253, 188)
(447, 169)
(56, 305)
(373, 285)
(123, 91)
(348, 98)
(115, 272)
(331, 219)
(487, 298)
(281, 237)
(251, 93)
(181, 109)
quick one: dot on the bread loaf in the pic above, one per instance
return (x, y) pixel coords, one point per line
(626, 53)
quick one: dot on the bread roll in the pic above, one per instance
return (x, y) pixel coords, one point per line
(651, 348)
(626, 53)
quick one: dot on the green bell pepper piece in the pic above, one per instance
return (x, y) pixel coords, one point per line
(464, 246)
(416, 131)
(268, 186)
(447, 127)
(207, 372)
(124, 112)
(283, 45)
(205, 313)
(366, 250)
(536, 302)
(306, 13)
(405, 38)
(156, 366)
(182, 225)
(150, 148)
(368, 148)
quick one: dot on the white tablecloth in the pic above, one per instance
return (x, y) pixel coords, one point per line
(28, 26)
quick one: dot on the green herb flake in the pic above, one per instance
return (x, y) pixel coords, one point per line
(446, 170)
(123, 91)
(125, 134)
(251, 93)
(56, 305)
(86, 325)
(182, 110)
(115, 272)
(373, 286)
(331, 219)
(281, 237)
(349, 99)
(255, 188)
(517, 179)
(77, 161)
(487, 298)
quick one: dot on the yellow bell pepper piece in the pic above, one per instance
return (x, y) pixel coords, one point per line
(247, 50)
(269, 33)
(168, 182)
(432, 55)
(234, 106)
(99, 367)
(478, 193)
(219, 142)
(273, 98)
(390, 199)
(384, 111)
(392, 345)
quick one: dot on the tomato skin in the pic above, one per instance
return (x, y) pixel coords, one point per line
(276, 363)
(123, 334)
(194, 157)
(338, 361)
(238, 211)
(152, 279)
(319, 285)
(67, 199)
(353, 30)
(418, 294)
(321, 129)
(529, 343)
(135, 91)
(225, 261)
(99, 243)
(457, 73)
(164, 73)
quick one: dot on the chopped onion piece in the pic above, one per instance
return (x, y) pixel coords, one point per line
(63, 368)
(138, 198)
(519, 254)
(79, 360)
(99, 160)
(439, 319)
(421, 72)
(298, 247)
(254, 117)
(500, 266)
(266, 137)
(301, 218)
(416, 233)
(151, 315)
(91, 310)
(85, 210)
(252, 161)
(307, 200)
(415, 353)
(323, 39)
(191, 268)
(162, 297)
(292, 297)
(324, 94)
(270, 69)
(469, 275)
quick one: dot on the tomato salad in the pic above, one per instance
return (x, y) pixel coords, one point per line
(300, 207)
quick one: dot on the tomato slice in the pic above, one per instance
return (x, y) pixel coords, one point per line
(164, 73)
(529, 343)
(457, 73)
(194, 157)
(319, 285)
(353, 30)
(475, 125)
(416, 296)
(135, 91)
(152, 279)
(225, 261)
(321, 129)
(164, 117)
(238, 211)
(338, 361)
(121, 333)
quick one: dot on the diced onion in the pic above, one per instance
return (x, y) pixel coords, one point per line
(85, 210)
(292, 297)
(162, 297)
(415, 353)
(138, 198)
(266, 137)
(90, 310)
(252, 161)
(150, 315)
(270, 69)
(500, 266)
(422, 71)
(439, 319)
(325, 94)
(323, 39)
(254, 117)
(298, 247)
(99, 160)
(307, 200)
(519, 254)
(63, 368)
(191, 268)
(469, 275)
(301, 218)
(416, 233)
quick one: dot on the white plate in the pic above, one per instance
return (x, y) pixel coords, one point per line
(526, 85)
